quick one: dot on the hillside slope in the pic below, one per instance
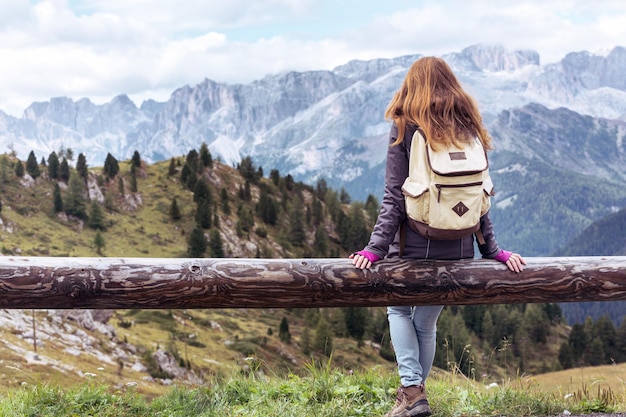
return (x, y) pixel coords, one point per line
(152, 348)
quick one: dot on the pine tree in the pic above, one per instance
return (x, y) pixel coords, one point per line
(578, 341)
(344, 197)
(225, 202)
(109, 200)
(488, 332)
(171, 170)
(289, 182)
(120, 186)
(192, 161)
(174, 212)
(197, 243)
(185, 172)
(473, 317)
(136, 160)
(19, 169)
(133, 179)
(81, 167)
(133, 182)
(333, 206)
(321, 188)
(321, 243)
(386, 350)
(53, 166)
(354, 232)
(111, 166)
(64, 171)
(31, 165)
(247, 169)
(305, 341)
(275, 176)
(216, 246)
(317, 212)
(297, 234)
(205, 156)
(98, 241)
(595, 355)
(246, 219)
(202, 192)
(565, 356)
(266, 208)
(372, 207)
(247, 194)
(203, 215)
(192, 178)
(323, 339)
(452, 338)
(537, 323)
(356, 320)
(283, 331)
(97, 218)
(621, 341)
(58, 199)
(75, 204)
(604, 329)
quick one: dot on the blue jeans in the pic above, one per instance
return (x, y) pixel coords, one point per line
(414, 339)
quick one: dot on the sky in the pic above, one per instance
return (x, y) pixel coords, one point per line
(148, 48)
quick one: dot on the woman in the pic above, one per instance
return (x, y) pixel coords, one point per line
(432, 98)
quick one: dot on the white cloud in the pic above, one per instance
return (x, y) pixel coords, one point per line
(148, 48)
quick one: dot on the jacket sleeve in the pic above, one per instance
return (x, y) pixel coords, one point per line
(392, 212)
(490, 249)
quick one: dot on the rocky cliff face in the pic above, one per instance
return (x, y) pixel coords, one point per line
(322, 123)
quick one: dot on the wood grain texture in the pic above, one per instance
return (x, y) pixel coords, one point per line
(146, 283)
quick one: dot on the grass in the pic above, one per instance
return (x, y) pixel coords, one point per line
(322, 391)
(351, 386)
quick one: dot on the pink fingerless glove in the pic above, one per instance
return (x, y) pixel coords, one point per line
(372, 257)
(503, 256)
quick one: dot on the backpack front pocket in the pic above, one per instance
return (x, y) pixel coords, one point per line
(456, 206)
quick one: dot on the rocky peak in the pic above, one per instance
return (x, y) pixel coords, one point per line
(594, 71)
(495, 57)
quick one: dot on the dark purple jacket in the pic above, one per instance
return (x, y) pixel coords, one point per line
(385, 238)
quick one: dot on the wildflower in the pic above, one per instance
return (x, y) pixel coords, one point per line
(100, 369)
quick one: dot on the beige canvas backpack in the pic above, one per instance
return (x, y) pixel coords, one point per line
(447, 191)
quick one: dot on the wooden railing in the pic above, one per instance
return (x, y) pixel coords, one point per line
(146, 283)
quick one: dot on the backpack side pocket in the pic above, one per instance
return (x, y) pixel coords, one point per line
(417, 200)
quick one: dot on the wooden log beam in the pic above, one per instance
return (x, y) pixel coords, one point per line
(146, 283)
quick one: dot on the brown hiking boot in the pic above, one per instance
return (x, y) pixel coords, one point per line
(411, 402)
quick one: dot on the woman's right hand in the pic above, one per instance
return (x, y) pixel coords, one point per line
(364, 259)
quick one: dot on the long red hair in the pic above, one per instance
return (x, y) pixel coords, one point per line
(432, 98)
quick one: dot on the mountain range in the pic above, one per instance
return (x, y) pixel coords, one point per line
(558, 131)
